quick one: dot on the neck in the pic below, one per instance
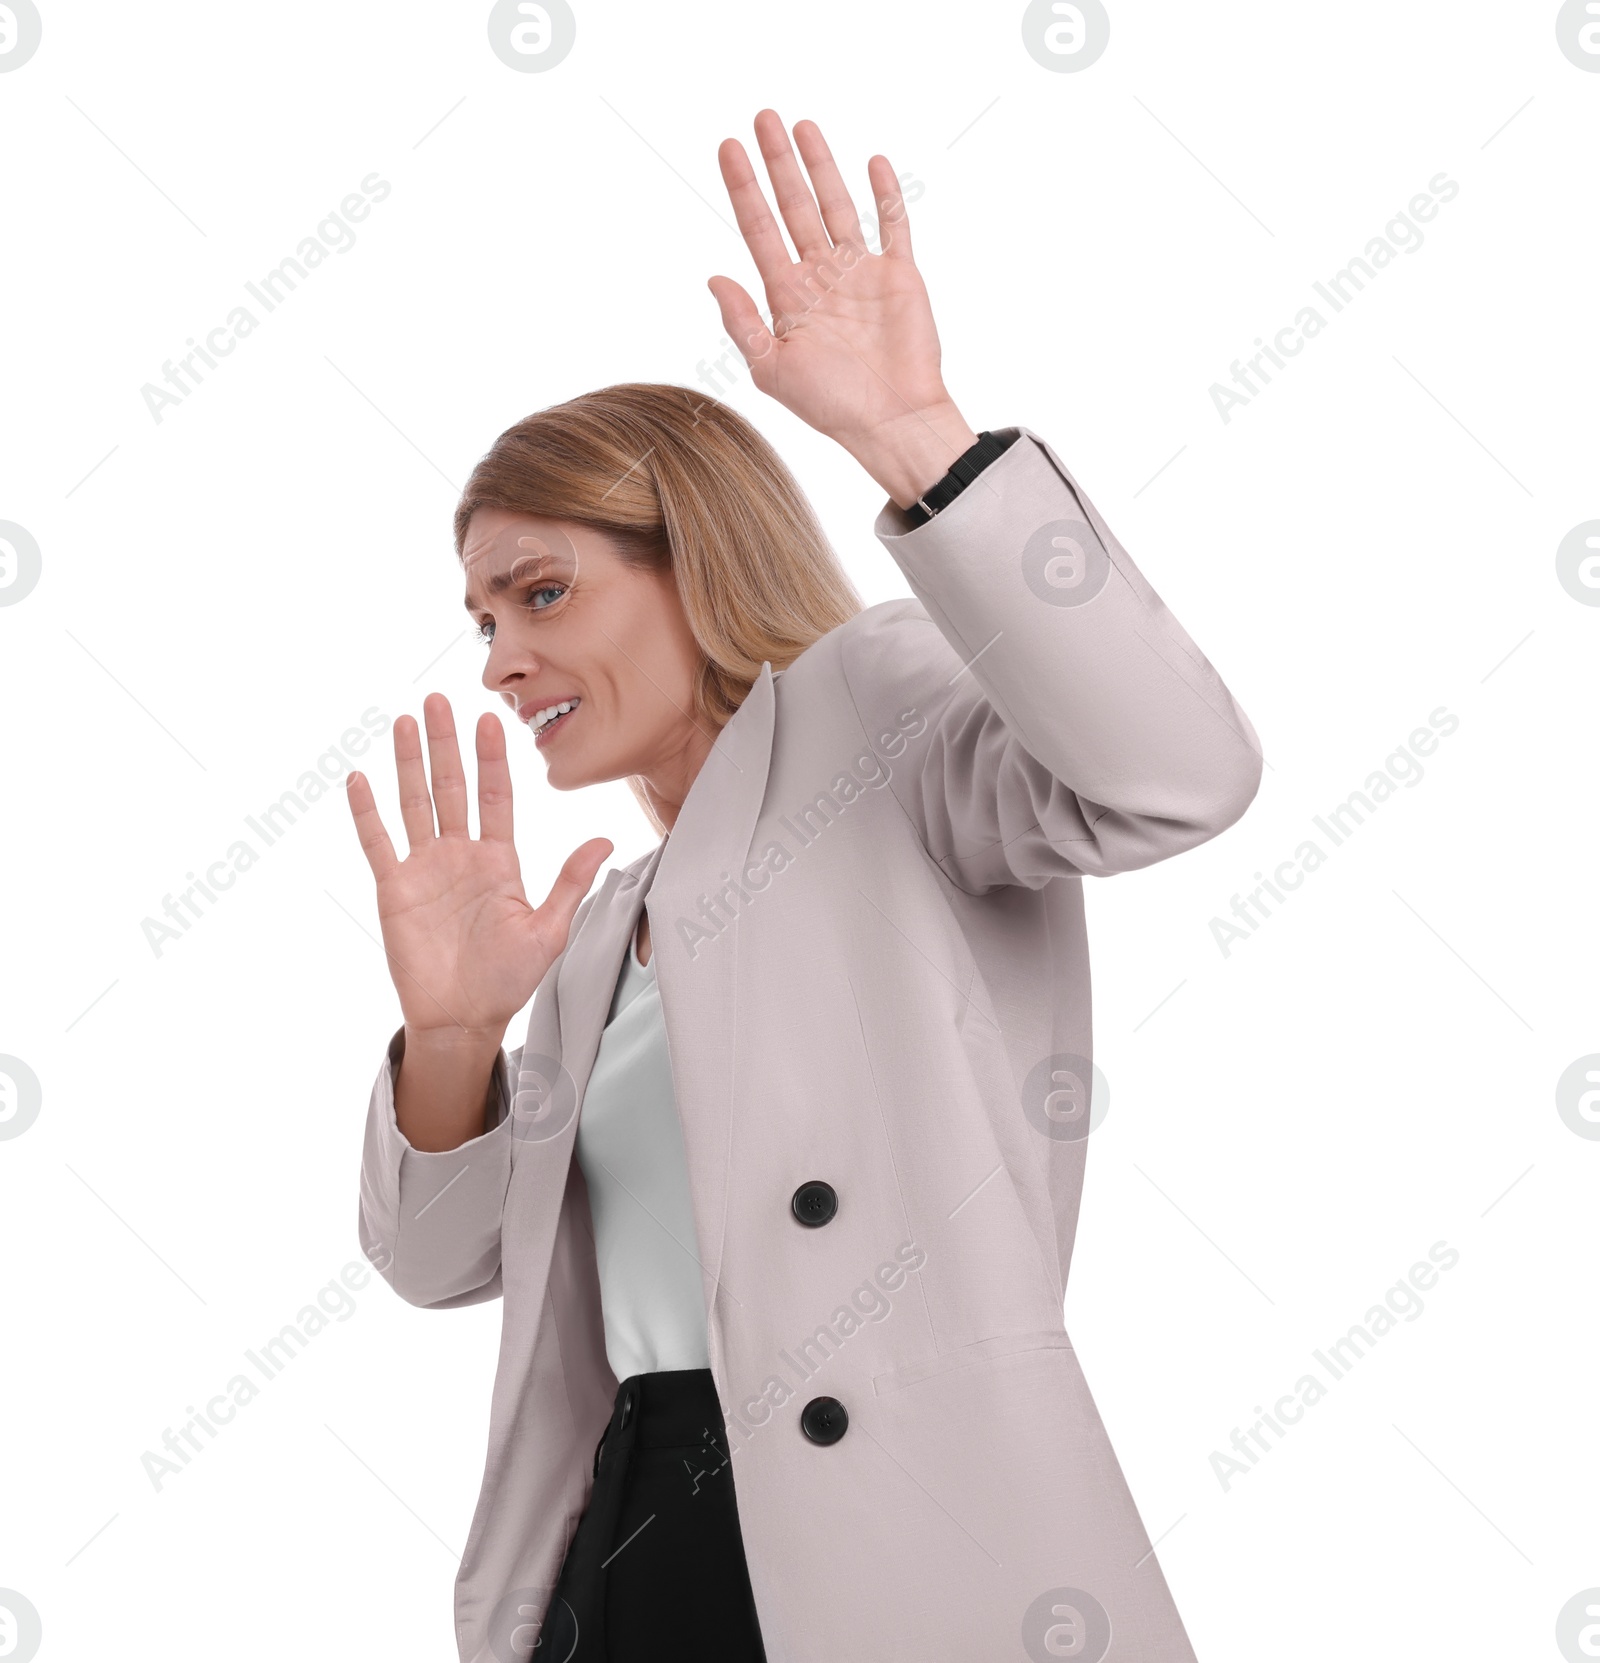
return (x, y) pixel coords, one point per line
(667, 784)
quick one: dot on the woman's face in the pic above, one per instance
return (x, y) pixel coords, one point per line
(567, 621)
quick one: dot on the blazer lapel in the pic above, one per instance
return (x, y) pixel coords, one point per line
(589, 972)
(687, 885)
(694, 911)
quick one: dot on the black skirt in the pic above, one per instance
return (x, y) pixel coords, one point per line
(656, 1569)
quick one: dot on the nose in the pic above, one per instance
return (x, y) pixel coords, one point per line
(508, 668)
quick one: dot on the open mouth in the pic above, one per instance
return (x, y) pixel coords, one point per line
(545, 722)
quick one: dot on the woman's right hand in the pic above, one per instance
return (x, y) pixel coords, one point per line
(465, 948)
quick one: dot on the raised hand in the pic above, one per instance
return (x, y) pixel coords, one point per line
(853, 351)
(465, 948)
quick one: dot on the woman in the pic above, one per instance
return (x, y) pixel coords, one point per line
(783, 1371)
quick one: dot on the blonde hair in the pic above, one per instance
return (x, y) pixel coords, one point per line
(675, 478)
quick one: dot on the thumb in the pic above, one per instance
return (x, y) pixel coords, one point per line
(573, 881)
(551, 923)
(741, 319)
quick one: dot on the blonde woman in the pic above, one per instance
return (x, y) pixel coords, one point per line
(780, 1189)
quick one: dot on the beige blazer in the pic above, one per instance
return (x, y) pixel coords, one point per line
(869, 936)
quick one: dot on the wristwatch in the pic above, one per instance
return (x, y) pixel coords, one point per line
(966, 468)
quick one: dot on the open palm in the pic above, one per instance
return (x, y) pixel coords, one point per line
(853, 348)
(465, 948)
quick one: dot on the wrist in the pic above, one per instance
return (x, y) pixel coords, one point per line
(914, 451)
(452, 1040)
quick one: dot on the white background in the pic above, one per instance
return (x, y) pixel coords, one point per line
(1374, 536)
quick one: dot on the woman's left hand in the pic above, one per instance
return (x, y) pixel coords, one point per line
(854, 352)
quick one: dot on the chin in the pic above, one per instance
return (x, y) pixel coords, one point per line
(565, 773)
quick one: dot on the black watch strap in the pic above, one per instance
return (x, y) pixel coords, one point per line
(966, 468)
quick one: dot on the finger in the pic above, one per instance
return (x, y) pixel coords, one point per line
(494, 780)
(572, 884)
(795, 201)
(416, 806)
(444, 764)
(838, 209)
(375, 844)
(756, 224)
(740, 319)
(894, 226)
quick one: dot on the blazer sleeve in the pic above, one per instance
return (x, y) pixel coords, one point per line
(430, 1219)
(1062, 721)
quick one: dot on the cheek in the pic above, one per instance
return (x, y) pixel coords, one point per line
(643, 707)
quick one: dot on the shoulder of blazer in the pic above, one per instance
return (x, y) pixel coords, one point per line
(894, 658)
(877, 634)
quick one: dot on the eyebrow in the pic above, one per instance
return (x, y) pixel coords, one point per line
(513, 579)
(498, 585)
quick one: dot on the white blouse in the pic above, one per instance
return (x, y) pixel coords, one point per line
(630, 1147)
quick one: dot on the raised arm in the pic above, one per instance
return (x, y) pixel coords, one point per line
(1072, 724)
(466, 951)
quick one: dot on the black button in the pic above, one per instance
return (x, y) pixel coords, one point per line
(627, 1411)
(814, 1203)
(823, 1420)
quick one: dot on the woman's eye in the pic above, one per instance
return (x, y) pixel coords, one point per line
(484, 633)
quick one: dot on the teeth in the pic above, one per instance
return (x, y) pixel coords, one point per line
(542, 719)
